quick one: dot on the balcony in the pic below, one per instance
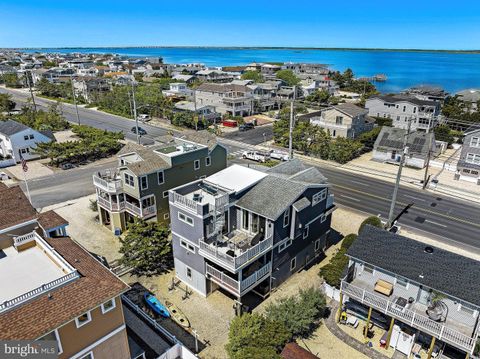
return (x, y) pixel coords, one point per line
(234, 286)
(204, 203)
(451, 331)
(109, 205)
(141, 212)
(232, 254)
(108, 181)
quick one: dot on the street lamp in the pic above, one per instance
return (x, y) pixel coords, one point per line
(74, 99)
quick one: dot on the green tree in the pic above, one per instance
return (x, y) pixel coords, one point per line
(10, 80)
(319, 97)
(443, 133)
(373, 221)
(6, 103)
(288, 76)
(298, 313)
(343, 149)
(368, 138)
(147, 248)
(252, 75)
(332, 272)
(256, 337)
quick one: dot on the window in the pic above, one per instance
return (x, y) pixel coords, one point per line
(196, 165)
(334, 133)
(208, 161)
(187, 246)
(319, 197)
(286, 217)
(25, 137)
(466, 171)
(55, 337)
(339, 120)
(284, 245)
(305, 232)
(165, 194)
(143, 182)
(83, 319)
(473, 158)
(367, 268)
(189, 272)
(402, 282)
(293, 263)
(166, 216)
(475, 142)
(317, 245)
(25, 150)
(108, 306)
(404, 108)
(87, 356)
(148, 201)
(186, 219)
(398, 118)
(474, 172)
(129, 181)
(414, 110)
(160, 177)
(245, 217)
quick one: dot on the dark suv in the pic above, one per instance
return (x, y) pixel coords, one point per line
(246, 126)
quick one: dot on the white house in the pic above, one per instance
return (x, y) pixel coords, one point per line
(16, 138)
(178, 89)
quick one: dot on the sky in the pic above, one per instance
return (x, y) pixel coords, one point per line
(421, 24)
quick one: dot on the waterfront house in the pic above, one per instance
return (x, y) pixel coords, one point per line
(400, 108)
(343, 120)
(468, 166)
(471, 98)
(235, 100)
(246, 231)
(388, 147)
(419, 293)
(138, 187)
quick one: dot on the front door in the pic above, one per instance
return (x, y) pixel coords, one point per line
(423, 295)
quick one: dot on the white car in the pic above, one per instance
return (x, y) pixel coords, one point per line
(256, 156)
(144, 118)
(278, 155)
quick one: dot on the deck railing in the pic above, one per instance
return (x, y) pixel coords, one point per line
(212, 252)
(18, 241)
(110, 205)
(234, 286)
(186, 202)
(439, 330)
(112, 185)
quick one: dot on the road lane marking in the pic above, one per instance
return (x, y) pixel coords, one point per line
(352, 198)
(435, 223)
(360, 183)
(417, 208)
(418, 199)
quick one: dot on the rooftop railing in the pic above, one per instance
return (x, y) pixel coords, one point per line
(107, 184)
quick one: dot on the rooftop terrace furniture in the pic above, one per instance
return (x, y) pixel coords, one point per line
(384, 287)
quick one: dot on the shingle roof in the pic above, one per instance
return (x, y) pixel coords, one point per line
(294, 351)
(51, 219)
(15, 207)
(11, 127)
(391, 138)
(222, 88)
(150, 162)
(440, 270)
(472, 129)
(404, 98)
(350, 109)
(296, 170)
(301, 204)
(271, 196)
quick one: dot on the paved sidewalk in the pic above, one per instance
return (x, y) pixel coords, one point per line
(344, 337)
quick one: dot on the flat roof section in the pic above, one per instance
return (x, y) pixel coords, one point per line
(236, 178)
(21, 272)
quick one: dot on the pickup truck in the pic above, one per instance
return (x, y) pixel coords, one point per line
(278, 155)
(256, 156)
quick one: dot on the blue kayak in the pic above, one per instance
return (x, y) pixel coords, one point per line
(156, 306)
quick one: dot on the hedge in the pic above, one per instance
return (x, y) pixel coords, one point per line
(332, 272)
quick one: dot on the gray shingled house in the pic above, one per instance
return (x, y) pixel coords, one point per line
(417, 292)
(246, 230)
(468, 166)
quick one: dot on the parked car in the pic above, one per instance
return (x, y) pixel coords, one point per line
(67, 166)
(144, 117)
(4, 176)
(278, 155)
(256, 156)
(246, 126)
(141, 131)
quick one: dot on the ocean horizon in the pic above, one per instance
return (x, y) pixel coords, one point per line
(453, 70)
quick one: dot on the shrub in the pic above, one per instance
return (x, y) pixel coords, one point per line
(373, 221)
(348, 241)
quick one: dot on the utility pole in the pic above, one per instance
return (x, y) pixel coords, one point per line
(425, 177)
(292, 123)
(31, 91)
(399, 175)
(195, 107)
(75, 100)
(135, 112)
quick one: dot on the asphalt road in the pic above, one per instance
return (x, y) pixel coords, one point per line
(252, 137)
(451, 220)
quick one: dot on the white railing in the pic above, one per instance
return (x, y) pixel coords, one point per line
(18, 241)
(147, 211)
(233, 263)
(255, 277)
(42, 289)
(133, 208)
(234, 285)
(414, 319)
(186, 202)
(110, 205)
(112, 185)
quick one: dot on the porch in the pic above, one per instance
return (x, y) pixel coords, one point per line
(108, 181)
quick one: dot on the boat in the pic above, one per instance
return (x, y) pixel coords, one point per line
(177, 315)
(380, 77)
(155, 305)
